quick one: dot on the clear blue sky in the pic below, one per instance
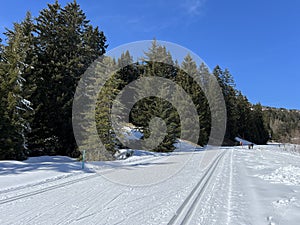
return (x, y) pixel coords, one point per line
(257, 40)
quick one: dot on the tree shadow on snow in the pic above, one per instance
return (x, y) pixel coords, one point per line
(43, 163)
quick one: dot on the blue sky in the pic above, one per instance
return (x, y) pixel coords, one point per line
(257, 40)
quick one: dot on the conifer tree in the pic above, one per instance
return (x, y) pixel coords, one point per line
(103, 108)
(204, 76)
(186, 79)
(15, 90)
(259, 133)
(99, 110)
(244, 113)
(157, 63)
(227, 84)
(66, 44)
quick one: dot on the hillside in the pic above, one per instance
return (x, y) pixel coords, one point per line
(283, 124)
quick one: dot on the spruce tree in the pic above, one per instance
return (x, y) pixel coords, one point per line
(156, 63)
(15, 90)
(97, 121)
(259, 133)
(205, 122)
(66, 44)
(186, 78)
(244, 113)
(227, 84)
(103, 108)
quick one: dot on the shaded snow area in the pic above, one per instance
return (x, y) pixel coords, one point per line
(36, 170)
(193, 185)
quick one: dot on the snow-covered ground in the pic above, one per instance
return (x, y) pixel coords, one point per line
(193, 185)
(36, 170)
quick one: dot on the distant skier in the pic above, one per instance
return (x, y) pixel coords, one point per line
(250, 146)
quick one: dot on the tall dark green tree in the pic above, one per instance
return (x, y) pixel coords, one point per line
(65, 46)
(227, 84)
(259, 133)
(243, 119)
(157, 63)
(204, 112)
(15, 90)
(102, 113)
(186, 79)
(244, 116)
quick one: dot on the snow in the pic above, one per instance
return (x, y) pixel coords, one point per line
(185, 146)
(14, 174)
(132, 133)
(259, 186)
(26, 103)
(243, 141)
(263, 178)
(289, 175)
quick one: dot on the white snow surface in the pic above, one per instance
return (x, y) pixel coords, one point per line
(132, 133)
(16, 174)
(257, 186)
(243, 141)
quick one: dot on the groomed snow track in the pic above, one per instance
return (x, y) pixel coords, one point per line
(64, 184)
(43, 190)
(187, 209)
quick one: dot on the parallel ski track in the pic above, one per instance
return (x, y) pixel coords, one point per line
(51, 180)
(64, 184)
(43, 190)
(187, 208)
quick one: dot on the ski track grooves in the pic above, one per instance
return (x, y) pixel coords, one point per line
(188, 207)
(32, 193)
(64, 184)
(50, 180)
(229, 203)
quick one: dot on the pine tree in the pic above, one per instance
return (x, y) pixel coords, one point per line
(97, 121)
(15, 90)
(243, 119)
(244, 113)
(227, 84)
(145, 113)
(103, 108)
(204, 110)
(189, 77)
(66, 44)
(259, 133)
